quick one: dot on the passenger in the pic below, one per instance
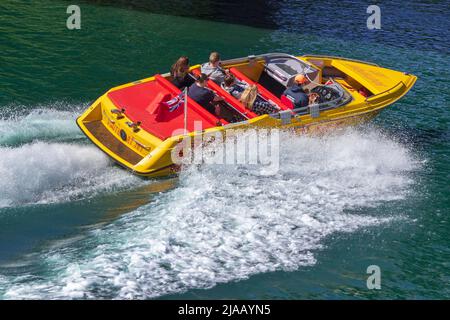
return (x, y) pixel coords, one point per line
(180, 73)
(252, 101)
(213, 70)
(204, 96)
(232, 87)
(248, 95)
(297, 93)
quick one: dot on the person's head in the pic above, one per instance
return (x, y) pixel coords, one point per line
(201, 79)
(182, 65)
(249, 95)
(301, 80)
(214, 59)
(229, 79)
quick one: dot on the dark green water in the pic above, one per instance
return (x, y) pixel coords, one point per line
(74, 226)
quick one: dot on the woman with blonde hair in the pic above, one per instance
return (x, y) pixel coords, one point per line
(248, 96)
(251, 100)
(180, 73)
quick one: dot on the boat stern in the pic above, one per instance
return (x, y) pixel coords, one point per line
(133, 148)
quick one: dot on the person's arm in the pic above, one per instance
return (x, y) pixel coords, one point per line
(213, 97)
(214, 100)
(221, 69)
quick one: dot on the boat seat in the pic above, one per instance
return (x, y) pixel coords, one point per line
(235, 103)
(143, 103)
(154, 106)
(191, 102)
(288, 102)
(266, 94)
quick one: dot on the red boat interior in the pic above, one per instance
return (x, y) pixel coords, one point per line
(144, 102)
(230, 100)
(263, 92)
(147, 103)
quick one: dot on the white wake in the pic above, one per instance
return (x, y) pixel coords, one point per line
(227, 223)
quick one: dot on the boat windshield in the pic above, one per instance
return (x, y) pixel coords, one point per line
(283, 68)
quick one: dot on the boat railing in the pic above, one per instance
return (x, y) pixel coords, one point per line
(315, 109)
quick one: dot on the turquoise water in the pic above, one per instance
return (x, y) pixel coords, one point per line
(72, 225)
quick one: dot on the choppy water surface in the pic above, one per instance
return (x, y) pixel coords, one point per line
(72, 225)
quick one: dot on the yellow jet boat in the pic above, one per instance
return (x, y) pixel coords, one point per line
(139, 124)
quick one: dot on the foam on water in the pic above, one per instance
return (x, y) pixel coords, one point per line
(43, 172)
(227, 223)
(39, 124)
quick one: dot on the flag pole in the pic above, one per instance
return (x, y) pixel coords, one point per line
(185, 110)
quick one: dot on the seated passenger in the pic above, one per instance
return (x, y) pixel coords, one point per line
(252, 101)
(296, 93)
(204, 96)
(213, 70)
(180, 73)
(232, 86)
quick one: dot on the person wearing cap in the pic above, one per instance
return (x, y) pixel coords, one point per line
(296, 93)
